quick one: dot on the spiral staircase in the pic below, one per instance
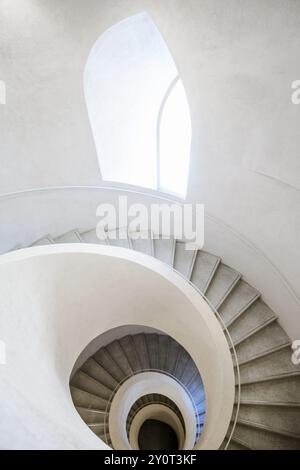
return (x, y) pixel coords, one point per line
(102, 374)
(266, 414)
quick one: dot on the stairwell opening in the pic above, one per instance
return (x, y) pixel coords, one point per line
(157, 435)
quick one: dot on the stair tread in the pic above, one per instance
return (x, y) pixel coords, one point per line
(222, 283)
(142, 241)
(268, 428)
(90, 236)
(71, 236)
(164, 249)
(119, 238)
(184, 259)
(239, 300)
(203, 271)
(47, 240)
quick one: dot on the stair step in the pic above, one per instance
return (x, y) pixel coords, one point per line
(107, 362)
(143, 242)
(282, 404)
(152, 347)
(173, 352)
(251, 356)
(283, 389)
(118, 238)
(84, 399)
(193, 380)
(164, 250)
(95, 370)
(255, 317)
(100, 430)
(271, 378)
(286, 419)
(92, 416)
(223, 282)
(184, 259)
(142, 351)
(189, 375)
(242, 296)
(163, 345)
(90, 236)
(197, 391)
(182, 363)
(204, 269)
(86, 382)
(129, 349)
(238, 444)
(274, 364)
(261, 437)
(117, 353)
(43, 241)
(72, 236)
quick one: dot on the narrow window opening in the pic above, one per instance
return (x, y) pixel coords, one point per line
(137, 108)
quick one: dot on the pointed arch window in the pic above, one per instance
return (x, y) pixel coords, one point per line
(138, 108)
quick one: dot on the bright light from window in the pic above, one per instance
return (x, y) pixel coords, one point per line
(175, 135)
(127, 75)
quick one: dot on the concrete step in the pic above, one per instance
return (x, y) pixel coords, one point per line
(271, 365)
(85, 382)
(142, 241)
(108, 363)
(223, 282)
(257, 315)
(92, 416)
(184, 259)
(204, 269)
(90, 236)
(285, 389)
(95, 370)
(164, 250)
(118, 238)
(130, 351)
(100, 429)
(48, 240)
(84, 399)
(173, 352)
(263, 438)
(116, 352)
(263, 342)
(283, 418)
(142, 351)
(163, 346)
(72, 236)
(237, 444)
(240, 298)
(152, 347)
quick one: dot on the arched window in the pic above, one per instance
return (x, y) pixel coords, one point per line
(138, 108)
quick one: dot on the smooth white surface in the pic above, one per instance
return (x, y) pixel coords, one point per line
(127, 75)
(56, 299)
(131, 391)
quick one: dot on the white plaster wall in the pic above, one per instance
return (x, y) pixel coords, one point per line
(56, 299)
